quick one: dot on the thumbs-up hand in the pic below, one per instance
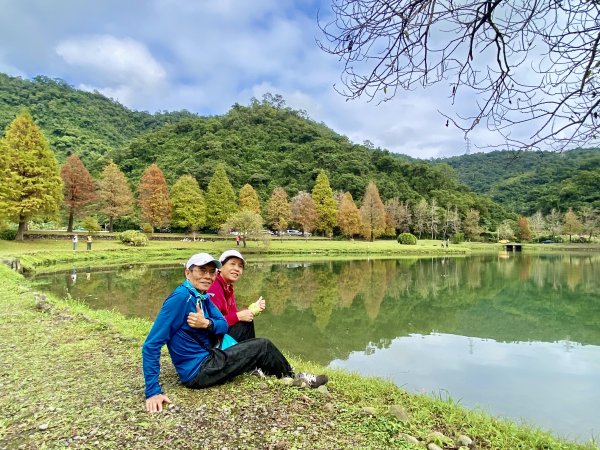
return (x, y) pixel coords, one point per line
(197, 319)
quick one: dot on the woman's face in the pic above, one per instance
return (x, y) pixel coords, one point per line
(232, 270)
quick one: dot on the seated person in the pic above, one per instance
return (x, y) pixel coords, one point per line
(241, 325)
(197, 362)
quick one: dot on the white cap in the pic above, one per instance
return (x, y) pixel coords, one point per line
(200, 259)
(231, 254)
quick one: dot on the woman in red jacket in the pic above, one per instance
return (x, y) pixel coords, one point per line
(241, 325)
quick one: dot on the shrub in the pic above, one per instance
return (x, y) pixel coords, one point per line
(457, 238)
(147, 228)
(407, 239)
(91, 224)
(133, 237)
(8, 234)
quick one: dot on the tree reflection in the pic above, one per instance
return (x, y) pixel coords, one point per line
(325, 310)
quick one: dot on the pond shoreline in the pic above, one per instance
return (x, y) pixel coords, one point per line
(333, 420)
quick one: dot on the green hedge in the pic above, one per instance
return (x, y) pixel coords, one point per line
(407, 239)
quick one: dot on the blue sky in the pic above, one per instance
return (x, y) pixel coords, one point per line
(204, 56)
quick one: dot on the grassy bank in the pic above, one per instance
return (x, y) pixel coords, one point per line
(72, 378)
(44, 253)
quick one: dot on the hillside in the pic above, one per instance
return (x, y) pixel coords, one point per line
(268, 145)
(76, 121)
(525, 182)
(265, 144)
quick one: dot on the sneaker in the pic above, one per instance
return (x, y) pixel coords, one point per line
(258, 373)
(314, 381)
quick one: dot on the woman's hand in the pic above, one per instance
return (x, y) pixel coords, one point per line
(245, 315)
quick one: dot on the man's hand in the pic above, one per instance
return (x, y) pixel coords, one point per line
(245, 315)
(197, 319)
(154, 403)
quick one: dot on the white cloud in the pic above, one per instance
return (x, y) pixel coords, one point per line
(119, 60)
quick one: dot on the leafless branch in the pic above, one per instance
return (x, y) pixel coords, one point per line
(533, 62)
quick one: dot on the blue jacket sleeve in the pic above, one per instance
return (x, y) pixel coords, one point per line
(219, 323)
(169, 319)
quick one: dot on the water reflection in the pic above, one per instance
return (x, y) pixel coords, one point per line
(500, 331)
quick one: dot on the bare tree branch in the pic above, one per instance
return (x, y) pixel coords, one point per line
(530, 65)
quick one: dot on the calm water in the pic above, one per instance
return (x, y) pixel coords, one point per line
(516, 335)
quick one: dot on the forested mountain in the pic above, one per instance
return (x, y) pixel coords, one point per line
(526, 182)
(267, 144)
(74, 121)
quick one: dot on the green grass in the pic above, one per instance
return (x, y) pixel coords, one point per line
(71, 377)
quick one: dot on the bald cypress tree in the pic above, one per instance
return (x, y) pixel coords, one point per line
(325, 204)
(116, 196)
(30, 178)
(249, 199)
(79, 188)
(372, 212)
(220, 199)
(189, 207)
(154, 200)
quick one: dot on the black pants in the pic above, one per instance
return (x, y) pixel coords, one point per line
(223, 365)
(242, 331)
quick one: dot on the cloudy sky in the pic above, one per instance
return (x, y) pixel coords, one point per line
(206, 55)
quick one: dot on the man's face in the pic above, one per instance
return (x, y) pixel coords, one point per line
(201, 277)
(232, 270)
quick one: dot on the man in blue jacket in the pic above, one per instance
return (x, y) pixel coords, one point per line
(192, 351)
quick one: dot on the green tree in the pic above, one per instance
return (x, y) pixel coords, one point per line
(115, 194)
(348, 216)
(31, 183)
(571, 224)
(249, 199)
(304, 211)
(372, 213)
(471, 225)
(220, 199)
(278, 211)
(153, 198)
(189, 207)
(248, 223)
(326, 206)
(505, 230)
(79, 189)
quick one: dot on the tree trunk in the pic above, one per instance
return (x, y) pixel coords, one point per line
(21, 230)
(70, 224)
(110, 224)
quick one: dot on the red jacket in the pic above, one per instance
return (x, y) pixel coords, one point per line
(224, 299)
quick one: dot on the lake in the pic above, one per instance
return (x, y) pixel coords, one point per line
(513, 334)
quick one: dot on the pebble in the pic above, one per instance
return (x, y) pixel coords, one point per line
(43, 426)
(432, 446)
(410, 439)
(398, 412)
(464, 441)
(369, 411)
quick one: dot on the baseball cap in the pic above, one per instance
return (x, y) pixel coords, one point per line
(231, 254)
(200, 259)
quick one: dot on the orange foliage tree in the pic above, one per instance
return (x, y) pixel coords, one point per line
(153, 198)
(78, 187)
